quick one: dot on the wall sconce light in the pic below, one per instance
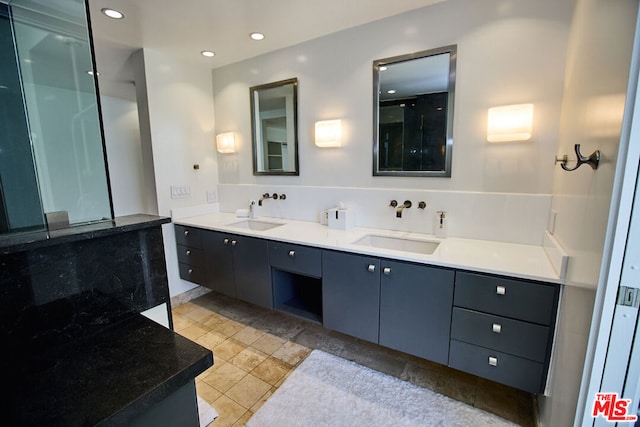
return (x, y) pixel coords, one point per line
(510, 123)
(226, 142)
(328, 133)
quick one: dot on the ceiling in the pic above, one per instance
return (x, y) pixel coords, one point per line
(184, 28)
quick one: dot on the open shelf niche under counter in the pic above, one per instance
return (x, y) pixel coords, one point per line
(296, 273)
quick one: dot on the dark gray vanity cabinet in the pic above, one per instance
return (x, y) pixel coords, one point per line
(189, 246)
(502, 329)
(237, 266)
(415, 309)
(399, 305)
(296, 272)
(351, 294)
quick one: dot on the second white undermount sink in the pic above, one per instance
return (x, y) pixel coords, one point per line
(253, 224)
(425, 247)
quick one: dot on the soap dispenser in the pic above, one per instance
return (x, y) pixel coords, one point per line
(441, 224)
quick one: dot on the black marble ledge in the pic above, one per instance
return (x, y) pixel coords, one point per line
(12, 243)
(108, 378)
(129, 266)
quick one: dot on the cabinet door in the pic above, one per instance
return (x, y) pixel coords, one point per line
(351, 294)
(218, 263)
(415, 309)
(252, 271)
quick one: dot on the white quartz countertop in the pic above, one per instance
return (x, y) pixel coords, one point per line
(510, 259)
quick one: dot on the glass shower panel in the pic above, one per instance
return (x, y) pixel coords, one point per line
(54, 52)
(20, 207)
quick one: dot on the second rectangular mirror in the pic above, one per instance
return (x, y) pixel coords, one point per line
(413, 113)
(274, 119)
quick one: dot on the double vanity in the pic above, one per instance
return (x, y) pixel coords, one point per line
(487, 308)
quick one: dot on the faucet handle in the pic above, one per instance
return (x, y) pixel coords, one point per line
(393, 203)
(283, 196)
(422, 205)
(266, 196)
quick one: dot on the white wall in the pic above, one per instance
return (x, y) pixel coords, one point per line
(124, 155)
(593, 104)
(177, 125)
(508, 52)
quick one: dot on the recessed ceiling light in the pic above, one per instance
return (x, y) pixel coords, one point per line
(112, 13)
(208, 53)
(256, 36)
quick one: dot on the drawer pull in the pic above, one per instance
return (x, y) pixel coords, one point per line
(234, 242)
(190, 271)
(493, 361)
(186, 232)
(371, 268)
(386, 270)
(188, 252)
(292, 253)
(497, 328)
(225, 241)
(501, 290)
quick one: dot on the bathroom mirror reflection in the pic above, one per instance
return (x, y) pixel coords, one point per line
(274, 128)
(413, 113)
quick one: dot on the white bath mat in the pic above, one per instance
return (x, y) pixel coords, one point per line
(206, 412)
(326, 390)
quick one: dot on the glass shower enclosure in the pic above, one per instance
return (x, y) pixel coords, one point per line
(53, 170)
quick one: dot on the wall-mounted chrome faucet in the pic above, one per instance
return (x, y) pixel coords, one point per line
(274, 196)
(399, 209)
(264, 196)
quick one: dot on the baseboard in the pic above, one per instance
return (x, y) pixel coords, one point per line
(194, 293)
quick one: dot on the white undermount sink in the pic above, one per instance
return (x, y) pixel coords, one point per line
(253, 224)
(425, 247)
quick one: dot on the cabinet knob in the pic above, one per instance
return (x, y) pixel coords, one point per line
(186, 232)
(371, 268)
(188, 252)
(225, 241)
(234, 242)
(292, 253)
(501, 290)
(190, 271)
(493, 361)
(386, 270)
(496, 327)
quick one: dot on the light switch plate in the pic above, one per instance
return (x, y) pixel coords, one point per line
(180, 191)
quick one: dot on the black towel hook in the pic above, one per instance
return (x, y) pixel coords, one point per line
(592, 160)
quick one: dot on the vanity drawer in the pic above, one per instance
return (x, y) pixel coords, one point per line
(190, 255)
(511, 370)
(296, 258)
(515, 337)
(518, 299)
(191, 273)
(189, 236)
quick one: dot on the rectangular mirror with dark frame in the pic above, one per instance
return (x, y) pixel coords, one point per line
(274, 127)
(413, 113)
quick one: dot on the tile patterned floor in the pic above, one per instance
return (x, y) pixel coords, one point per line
(255, 350)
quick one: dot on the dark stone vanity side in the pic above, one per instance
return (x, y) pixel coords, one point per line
(78, 351)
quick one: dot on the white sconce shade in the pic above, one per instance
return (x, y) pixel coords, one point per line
(510, 123)
(329, 133)
(226, 142)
